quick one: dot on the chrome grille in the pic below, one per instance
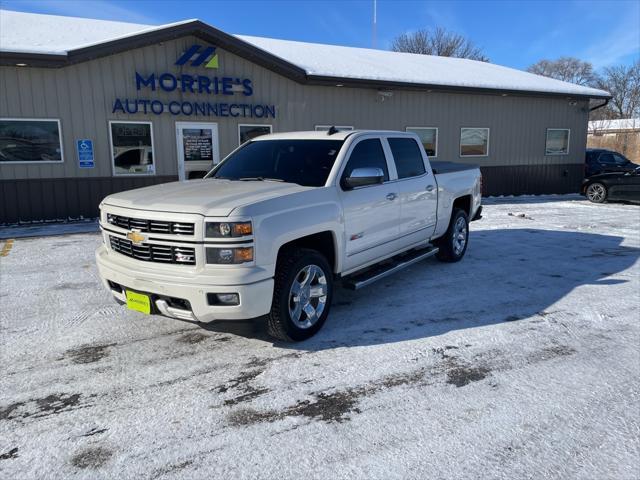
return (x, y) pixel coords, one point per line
(154, 253)
(154, 226)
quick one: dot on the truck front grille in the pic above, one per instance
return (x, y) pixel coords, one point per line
(154, 253)
(155, 226)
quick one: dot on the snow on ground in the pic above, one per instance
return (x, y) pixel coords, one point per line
(522, 361)
(49, 229)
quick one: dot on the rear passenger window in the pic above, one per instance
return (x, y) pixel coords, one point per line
(407, 156)
(607, 158)
(367, 154)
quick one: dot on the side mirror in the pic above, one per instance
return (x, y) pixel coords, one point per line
(361, 177)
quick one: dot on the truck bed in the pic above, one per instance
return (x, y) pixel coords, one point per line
(450, 167)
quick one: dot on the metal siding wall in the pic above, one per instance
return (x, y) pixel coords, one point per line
(62, 198)
(82, 97)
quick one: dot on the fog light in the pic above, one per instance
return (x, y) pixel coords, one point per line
(227, 299)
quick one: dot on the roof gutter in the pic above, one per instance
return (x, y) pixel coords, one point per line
(606, 102)
(368, 83)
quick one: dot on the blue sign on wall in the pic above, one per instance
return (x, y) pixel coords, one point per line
(85, 153)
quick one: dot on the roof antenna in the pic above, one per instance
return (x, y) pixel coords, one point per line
(332, 130)
(375, 24)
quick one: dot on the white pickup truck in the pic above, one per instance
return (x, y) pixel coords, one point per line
(275, 225)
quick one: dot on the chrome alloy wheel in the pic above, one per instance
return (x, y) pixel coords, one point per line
(459, 236)
(596, 192)
(308, 296)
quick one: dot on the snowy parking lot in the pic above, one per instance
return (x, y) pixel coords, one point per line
(521, 361)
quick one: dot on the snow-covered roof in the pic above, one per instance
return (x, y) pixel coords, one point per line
(56, 35)
(611, 125)
(369, 64)
(31, 33)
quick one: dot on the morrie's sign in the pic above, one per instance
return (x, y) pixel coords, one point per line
(201, 85)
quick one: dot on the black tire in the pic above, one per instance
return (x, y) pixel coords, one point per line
(596, 192)
(291, 264)
(449, 249)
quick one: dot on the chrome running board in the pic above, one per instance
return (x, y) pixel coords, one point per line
(389, 267)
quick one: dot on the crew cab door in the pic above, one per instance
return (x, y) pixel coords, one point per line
(417, 188)
(371, 212)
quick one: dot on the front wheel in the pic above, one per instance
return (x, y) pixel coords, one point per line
(453, 244)
(596, 192)
(302, 295)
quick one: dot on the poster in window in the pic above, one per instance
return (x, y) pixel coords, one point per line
(197, 144)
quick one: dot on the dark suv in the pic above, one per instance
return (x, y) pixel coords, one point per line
(600, 160)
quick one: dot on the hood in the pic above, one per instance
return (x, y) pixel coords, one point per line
(208, 197)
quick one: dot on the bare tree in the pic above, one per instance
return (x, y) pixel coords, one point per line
(568, 69)
(438, 42)
(623, 83)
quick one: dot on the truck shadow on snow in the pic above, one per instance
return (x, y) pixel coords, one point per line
(507, 275)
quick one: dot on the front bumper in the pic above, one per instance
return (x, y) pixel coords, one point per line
(255, 297)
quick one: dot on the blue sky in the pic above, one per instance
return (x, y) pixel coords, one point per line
(512, 33)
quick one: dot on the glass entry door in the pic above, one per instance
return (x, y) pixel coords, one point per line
(198, 148)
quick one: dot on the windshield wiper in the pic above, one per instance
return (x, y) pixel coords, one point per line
(260, 179)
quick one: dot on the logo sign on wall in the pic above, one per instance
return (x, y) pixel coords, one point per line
(196, 90)
(85, 153)
(200, 59)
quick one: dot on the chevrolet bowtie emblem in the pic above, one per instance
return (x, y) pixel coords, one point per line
(136, 237)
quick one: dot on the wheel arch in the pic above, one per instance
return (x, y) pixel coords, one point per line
(325, 242)
(463, 202)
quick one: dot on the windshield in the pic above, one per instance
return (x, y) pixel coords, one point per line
(305, 162)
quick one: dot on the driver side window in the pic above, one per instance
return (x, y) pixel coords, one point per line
(367, 154)
(620, 160)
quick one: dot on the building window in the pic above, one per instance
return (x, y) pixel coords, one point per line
(247, 132)
(429, 138)
(325, 128)
(557, 141)
(132, 148)
(474, 142)
(407, 157)
(30, 140)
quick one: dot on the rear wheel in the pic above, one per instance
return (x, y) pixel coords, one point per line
(302, 295)
(453, 244)
(596, 192)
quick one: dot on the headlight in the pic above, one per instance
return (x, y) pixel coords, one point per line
(227, 229)
(229, 256)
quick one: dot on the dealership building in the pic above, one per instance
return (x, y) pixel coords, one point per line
(91, 107)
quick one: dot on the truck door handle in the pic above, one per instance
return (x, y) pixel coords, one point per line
(391, 196)
(429, 188)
